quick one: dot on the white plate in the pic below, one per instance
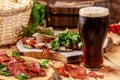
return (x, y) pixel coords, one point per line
(21, 48)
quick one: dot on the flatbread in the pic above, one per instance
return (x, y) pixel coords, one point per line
(51, 73)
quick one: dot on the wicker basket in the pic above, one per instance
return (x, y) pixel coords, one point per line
(13, 15)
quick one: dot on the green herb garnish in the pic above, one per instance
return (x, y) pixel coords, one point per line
(44, 63)
(5, 73)
(23, 76)
(38, 14)
(37, 17)
(47, 31)
(3, 67)
(16, 54)
(28, 31)
(67, 39)
(80, 44)
(55, 45)
(3, 70)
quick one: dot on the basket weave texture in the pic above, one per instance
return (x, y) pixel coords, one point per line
(14, 14)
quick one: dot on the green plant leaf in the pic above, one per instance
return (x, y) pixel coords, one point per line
(44, 63)
(16, 54)
(23, 76)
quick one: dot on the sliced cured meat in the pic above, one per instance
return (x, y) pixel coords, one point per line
(68, 68)
(16, 66)
(42, 73)
(29, 41)
(3, 52)
(27, 67)
(4, 58)
(77, 72)
(45, 50)
(34, 67)
(94, 75)
(61, 71)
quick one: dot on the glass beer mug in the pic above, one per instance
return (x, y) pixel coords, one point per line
(93, 28)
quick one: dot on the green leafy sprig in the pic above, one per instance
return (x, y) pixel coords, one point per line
(44, 64)
(16, 54)
(3, 70)
(37, 17)
(67, 39)
(38, 14)
(22, 76)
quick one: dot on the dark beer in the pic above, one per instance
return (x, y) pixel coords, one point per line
(93, 30)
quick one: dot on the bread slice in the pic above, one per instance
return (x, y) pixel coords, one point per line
(51, 73)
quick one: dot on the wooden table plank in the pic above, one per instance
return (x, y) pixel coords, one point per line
(114, 56)
(110, 71)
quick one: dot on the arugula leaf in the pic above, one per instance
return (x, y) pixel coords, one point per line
(28, 31)
(68, 43)
(37, 17)
(67, 39)
(80, 44)
(5, 73)
(75, 38)
(44, 63)
(23, 76)
(16, 54)
(46, 31)
(55, 45)
(3, 67)
(3, 70)
(38, 14)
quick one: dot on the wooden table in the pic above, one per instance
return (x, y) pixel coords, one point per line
(111, 68)
(112, 60)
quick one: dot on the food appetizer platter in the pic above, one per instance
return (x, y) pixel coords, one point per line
(46, 44)
(64, 46)
(55, 51)
(16, 67)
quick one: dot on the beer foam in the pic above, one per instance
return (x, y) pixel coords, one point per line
(93, 12)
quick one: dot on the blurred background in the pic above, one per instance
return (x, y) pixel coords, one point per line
(65, 13)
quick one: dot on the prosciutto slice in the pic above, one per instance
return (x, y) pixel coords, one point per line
(17, 66)
(77, 72)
